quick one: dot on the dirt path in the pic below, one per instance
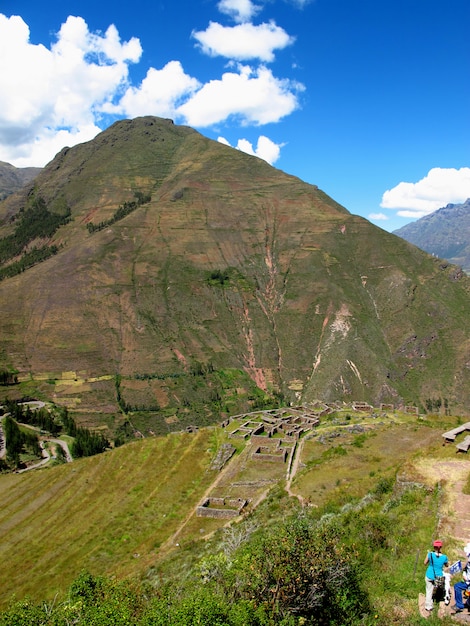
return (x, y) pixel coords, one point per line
(293, 471)
(173, 539)
(454, 518)
(454, 514)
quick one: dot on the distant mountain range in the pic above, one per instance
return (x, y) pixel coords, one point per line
(13, 178)
(155, 275)
(444, 233)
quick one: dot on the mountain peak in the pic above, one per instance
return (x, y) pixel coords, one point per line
(181, 278)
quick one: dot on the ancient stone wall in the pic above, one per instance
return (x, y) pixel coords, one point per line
(221, 508)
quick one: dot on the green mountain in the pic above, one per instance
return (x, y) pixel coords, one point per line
(444, 233)
(155, 273)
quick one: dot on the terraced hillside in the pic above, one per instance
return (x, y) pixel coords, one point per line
(182, 281)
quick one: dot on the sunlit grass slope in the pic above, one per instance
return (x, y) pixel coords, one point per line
(108, 513)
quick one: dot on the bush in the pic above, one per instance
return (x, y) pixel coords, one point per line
(303, 569)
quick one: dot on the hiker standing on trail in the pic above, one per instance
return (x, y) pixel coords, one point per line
(435, 561)
(463, 585)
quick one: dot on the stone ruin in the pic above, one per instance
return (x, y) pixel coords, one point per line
(224, 455)
(276, 453)
(290, 422)
(221, 508)
(362, 406)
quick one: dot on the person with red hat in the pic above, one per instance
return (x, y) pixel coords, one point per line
(435, 561)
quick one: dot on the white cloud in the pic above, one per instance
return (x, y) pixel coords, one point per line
(266, 149)
(56, 95)
(378, 217)
(244, 41)
(159, 93)
(239, 10)
(253, 96)
(438, 188)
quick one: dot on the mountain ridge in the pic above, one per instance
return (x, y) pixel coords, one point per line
(230, 264)
(444, 233)
(13, 178)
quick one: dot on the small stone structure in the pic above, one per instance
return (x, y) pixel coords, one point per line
(221, 508)
(451, 435)
(224, 455)
(464, 445)
(362, 406)
(276, 453)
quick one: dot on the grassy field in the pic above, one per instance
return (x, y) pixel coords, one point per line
(131, 511)
(343, 462)
(107, 513)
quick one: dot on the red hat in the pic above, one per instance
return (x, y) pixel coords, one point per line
(437, 544)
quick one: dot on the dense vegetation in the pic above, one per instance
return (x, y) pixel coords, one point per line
(40, 417)
(33, 223)
(121, 212)
(8, 378)
(19, 441)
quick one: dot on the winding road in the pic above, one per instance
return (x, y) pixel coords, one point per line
(46, 456)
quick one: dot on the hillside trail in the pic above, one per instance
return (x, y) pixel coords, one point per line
(292, 471)
(230, 468)
(233, 468)
(453, 517)
(454, 513)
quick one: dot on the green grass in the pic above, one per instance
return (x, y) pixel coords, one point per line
(108, 513)
(116, 513)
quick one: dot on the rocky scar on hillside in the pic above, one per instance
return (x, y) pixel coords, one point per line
(182, 280)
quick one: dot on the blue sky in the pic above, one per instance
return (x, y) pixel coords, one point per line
(368, 99)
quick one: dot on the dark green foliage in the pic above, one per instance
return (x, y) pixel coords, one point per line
(8, 378)
(218, 277)
(88, 443)
(34, 256)
(35, 417)
(123, 210)
(124, 433)
(25, 613)
(305, 569)
(16, 441)
(384, 485)
(34, 222)
(68, 422)
(376, 530)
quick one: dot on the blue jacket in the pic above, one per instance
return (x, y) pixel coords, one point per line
(436, 563)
